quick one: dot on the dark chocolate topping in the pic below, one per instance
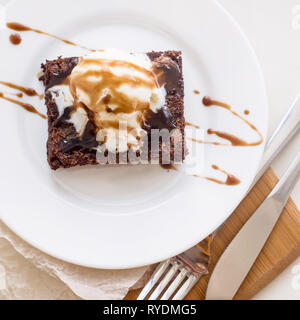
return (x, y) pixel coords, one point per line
(86, 142)
(163, 119)
(171, 73)
(64, 117)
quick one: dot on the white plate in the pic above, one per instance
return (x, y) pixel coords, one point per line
(122, 217)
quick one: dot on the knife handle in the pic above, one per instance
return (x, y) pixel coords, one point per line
(283, 189)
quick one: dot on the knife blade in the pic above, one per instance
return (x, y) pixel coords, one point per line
(238, 258)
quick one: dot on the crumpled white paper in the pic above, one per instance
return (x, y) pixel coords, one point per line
(27, 273)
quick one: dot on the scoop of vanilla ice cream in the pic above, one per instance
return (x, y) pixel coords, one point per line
(116, 76)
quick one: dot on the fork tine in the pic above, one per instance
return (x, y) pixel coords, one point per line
(175, 284)
(154, 278)
(186, 288)
(164, 282)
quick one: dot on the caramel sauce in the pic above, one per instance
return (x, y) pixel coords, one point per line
(235, 141)
(21, 28)
(230, 181)
(192, 125)
(25, 106)
(196, 92)
(246, 112)
(28, 91)
(15, 39)
(106, 79)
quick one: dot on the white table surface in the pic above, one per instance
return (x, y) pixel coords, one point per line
(273, 28)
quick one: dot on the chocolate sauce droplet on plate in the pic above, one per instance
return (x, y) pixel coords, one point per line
(15, 39)
(207, 101)
(20, 28)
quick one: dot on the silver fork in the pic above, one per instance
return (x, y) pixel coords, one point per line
(185, 270)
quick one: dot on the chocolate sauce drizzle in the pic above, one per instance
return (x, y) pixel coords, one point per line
(206, 142)
(235, 141)
(28, 91)
(28, 107)
(16, 94)
(21, 28)
(230, 181)
(192, 125)
(24, 90)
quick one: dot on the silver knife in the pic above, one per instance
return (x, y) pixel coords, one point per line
(240, 255)
(288, 127)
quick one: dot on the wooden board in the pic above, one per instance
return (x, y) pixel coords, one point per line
(282, 248)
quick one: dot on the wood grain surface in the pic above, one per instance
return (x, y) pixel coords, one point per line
(281, 249)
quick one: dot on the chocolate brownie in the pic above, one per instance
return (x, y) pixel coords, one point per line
(66, 149)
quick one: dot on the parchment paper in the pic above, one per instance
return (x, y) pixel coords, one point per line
(29, 274)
